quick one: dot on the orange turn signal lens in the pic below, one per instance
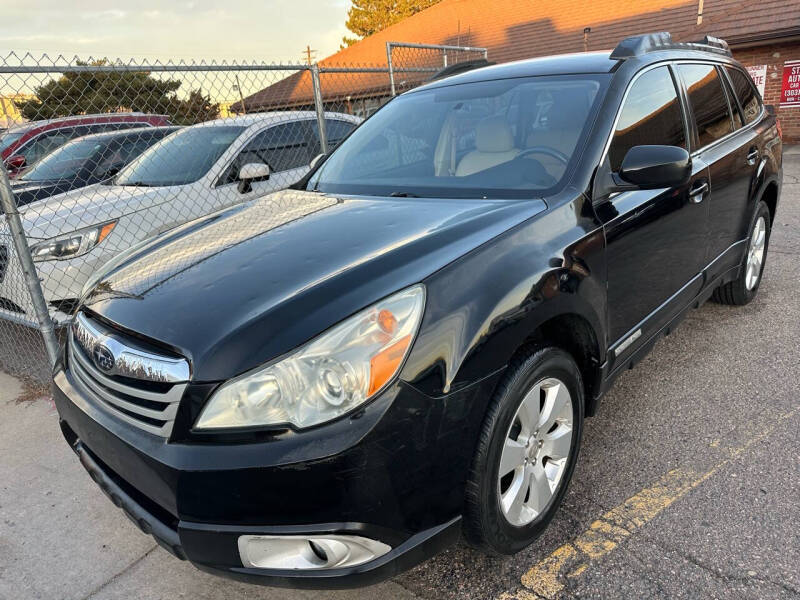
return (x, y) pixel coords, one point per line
(387, 321)
(105, 231)
(384, 365)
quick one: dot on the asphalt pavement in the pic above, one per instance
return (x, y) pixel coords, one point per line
(687, 485)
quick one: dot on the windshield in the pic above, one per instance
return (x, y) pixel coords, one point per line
(65, 162)
(180, 158)
(508, 138)
(9, 138)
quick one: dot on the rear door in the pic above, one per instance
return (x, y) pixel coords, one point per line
(731, 153)
(655, 239)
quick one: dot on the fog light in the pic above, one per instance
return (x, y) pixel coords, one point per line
(308, 552)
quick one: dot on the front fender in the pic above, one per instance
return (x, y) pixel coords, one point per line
(484, 307)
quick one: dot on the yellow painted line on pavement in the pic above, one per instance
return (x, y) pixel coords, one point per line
(546, 578)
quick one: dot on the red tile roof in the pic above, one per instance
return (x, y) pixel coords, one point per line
(518, 29)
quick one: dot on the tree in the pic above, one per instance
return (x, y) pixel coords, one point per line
(195, 109)
(366, 17)
(100, 91)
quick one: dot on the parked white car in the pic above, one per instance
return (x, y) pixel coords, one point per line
(193, 172)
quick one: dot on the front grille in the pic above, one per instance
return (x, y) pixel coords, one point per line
(3, 262)
(148, 406)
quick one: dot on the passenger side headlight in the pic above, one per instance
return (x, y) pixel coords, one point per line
(329, 376)
(73, 244)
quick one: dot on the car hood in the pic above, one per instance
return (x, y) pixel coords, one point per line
(30, 191)
(64, 213)
(239, 288)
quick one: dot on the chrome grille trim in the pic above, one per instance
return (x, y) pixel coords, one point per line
(146, 407)
(91, 382)
(130, 362)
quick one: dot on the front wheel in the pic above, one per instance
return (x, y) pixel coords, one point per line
(526, 452)
(744, 288)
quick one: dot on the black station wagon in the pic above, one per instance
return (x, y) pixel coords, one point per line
(329, 384)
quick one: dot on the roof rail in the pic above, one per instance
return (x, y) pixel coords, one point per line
(460, 67)
(638, 45)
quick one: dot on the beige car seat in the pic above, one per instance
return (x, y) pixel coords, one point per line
(494, 145)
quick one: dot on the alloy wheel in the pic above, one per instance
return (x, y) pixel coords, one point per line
(535, 452)
(755, 253)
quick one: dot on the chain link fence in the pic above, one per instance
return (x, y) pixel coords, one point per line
(102, 156)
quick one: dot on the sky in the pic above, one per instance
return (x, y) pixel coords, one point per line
(268, 31)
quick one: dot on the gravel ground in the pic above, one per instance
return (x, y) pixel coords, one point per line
(715, 404)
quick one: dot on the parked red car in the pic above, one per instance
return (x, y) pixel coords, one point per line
(23, 145)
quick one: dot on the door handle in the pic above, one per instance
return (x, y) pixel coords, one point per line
(698, 192)
(752, 156)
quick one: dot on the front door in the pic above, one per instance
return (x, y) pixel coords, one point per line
(286, 147)
(656, 239)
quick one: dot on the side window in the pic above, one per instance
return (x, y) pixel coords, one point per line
(44, 144)
(709, 104)
(336, 130)
(746, 92)
(651, 116)
(282, 147)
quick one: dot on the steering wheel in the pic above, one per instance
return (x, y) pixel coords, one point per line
(545, 150)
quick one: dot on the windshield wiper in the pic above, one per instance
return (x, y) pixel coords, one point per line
(135, 184)
(403, 195)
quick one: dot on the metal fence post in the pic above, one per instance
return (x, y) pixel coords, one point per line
(29, 270)
(323, 132)
(389, 63)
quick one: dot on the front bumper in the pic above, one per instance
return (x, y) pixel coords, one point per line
(394, 474)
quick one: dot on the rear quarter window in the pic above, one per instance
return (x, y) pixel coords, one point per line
(746, 92)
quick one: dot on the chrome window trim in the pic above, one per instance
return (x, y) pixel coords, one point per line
(676, 62)
(735, 131)
(129, 362)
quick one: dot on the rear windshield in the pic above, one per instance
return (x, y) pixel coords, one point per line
(508, 138)
(181, 158)
(9, 138)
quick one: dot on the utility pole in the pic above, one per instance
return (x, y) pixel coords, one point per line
(238, 88)
(309, 54)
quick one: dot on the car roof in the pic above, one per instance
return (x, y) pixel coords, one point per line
(275, 116)
(122, 133)
(80, 119)
(569, 64)
(561, 64)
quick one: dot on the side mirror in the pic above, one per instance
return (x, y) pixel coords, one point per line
(111, 171)
(252, 172)
(315, 161)
(16, 162)
(653, 167)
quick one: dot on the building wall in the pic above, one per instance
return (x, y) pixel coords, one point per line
(774, 56)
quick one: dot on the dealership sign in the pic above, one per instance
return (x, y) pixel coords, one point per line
(790, 89)
(759, 75)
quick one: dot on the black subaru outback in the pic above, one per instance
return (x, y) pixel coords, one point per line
(330, 384)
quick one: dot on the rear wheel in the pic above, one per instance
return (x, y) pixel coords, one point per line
(526, 453)
(743, 289)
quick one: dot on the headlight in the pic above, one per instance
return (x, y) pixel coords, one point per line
(73, 244)
(329, 376)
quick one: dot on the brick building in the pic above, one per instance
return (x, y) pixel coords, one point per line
(763, 33)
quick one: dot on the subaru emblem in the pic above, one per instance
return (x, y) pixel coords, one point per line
(103, 358)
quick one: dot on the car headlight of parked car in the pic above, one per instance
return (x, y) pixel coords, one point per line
(327, 377)
(73, 244)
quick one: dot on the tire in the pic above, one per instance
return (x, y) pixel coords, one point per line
(743, 289)
(491, 520)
